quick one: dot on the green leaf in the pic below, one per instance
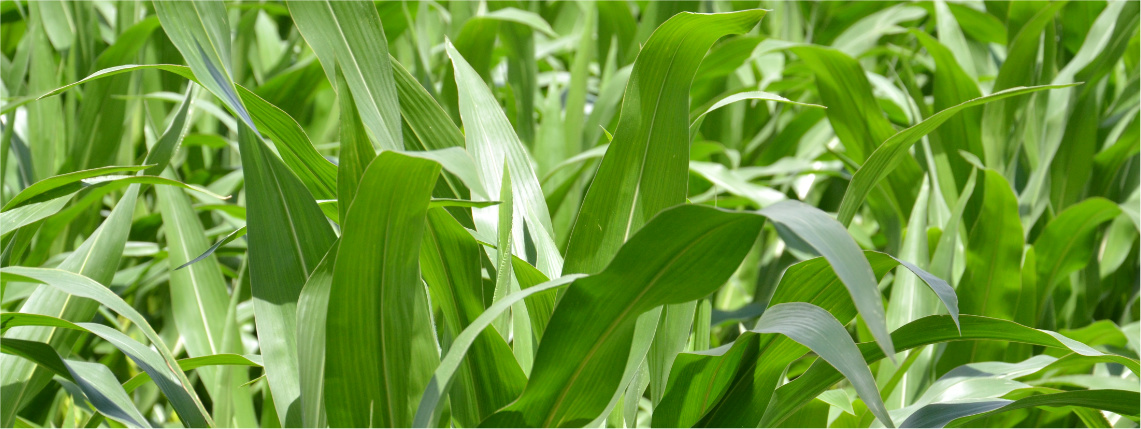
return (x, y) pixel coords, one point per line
(55, 182)
(952, 85)
(818, 330)
(1067, 243)
(698, 380)
(442, 379)
(56, 199)
(806, 228)
(40, 353)
(349, 35)
(237, 233)
(104, 392)
(200, 302)
(488, 377)
(928, 330)
(993, 277)
(813, 281)
(288, 236)
(423, 115)
(594, 323)
(645, 169)
(356, 150)
(893, 150)
(163, 150)
(174, 384)
(312, 313)
(201, 32)
(97, 258)
(740, 96)
(492, 143)
(318, 174)
(380, 350)
(188, 364)
(997, 116)
(958, 414)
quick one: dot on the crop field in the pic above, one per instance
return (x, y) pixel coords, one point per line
(603, 214)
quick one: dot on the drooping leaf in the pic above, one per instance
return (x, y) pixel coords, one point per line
(594, 323)
(928, 330)
(888, 155)
(818, 330)
(173, 383)
(96, 259)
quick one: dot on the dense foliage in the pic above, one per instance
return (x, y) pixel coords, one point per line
(603, 214)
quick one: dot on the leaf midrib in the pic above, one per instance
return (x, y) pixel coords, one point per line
(622, 316)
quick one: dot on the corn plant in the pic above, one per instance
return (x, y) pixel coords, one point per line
(569, 214)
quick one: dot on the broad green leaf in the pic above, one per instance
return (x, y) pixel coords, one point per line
(380, 350)
(1067, 243)
(698, 380)
(98, 131)
(489, 377)
(594, 323)
(893, 150)
(645, 168)
(997, 116)
(597, 323)
(993, 277)
(503, 255)
(348, 35)
(94, 381)
(953, 85)
(318, 174)
(814, 282)
(492, 143)
(974, 382)
(288, 236)
(818, 330)
(809, 229)
(103, 390)
(40, 353)
(670, 338)
(442, 379)
(423, 114)
(852, 110)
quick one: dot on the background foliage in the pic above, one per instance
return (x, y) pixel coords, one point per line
(614, 213)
